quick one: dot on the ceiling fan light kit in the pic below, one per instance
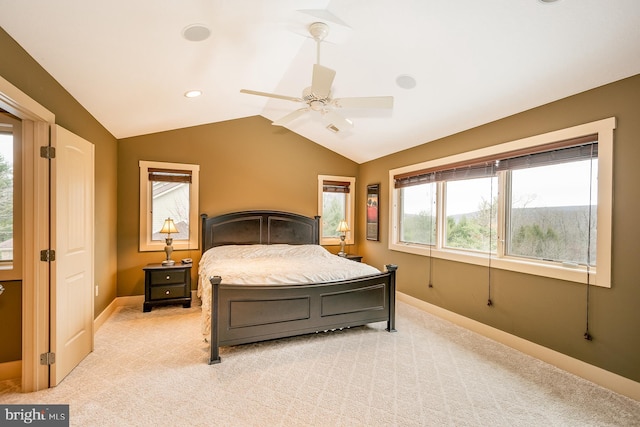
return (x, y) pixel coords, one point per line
(317, 97)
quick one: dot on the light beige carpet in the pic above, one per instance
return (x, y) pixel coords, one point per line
(150, 369)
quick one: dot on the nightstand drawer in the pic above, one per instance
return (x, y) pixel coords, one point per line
(168, 291)
(167, 277)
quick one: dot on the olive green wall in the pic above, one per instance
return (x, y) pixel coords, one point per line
(26, 74)
(244, 164)
(545, 311)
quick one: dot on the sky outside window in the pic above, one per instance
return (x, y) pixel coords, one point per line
(6, 148)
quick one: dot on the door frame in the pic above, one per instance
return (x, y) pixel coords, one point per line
(36, 122)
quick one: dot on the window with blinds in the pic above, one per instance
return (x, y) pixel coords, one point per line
(538, 200)
(550, 202)
(168, 190)
(170, 195)
(335, 204)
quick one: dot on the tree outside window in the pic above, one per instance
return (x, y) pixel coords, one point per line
(6, 197)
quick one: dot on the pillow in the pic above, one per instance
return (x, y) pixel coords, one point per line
(264, 251)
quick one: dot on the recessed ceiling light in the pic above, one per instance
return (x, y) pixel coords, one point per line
(548, 1)
(405, 81)
(196, 32)
(193, 93)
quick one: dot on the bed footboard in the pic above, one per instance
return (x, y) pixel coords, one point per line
(246, 314)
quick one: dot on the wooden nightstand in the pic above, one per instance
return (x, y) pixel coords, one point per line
(354, 257)
(167, 285)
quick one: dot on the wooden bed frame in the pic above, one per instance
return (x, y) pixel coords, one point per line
(242, 314)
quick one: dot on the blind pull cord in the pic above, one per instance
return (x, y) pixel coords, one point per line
(587, 334)
(431, 245)
(489, 302)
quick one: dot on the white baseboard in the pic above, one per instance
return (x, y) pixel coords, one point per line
(614, 382)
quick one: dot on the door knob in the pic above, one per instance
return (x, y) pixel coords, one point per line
(1, 289)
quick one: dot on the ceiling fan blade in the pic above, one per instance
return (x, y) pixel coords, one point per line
(283, 121)
(364, 102)
(322, 80)
(271, 95)
(335, 122)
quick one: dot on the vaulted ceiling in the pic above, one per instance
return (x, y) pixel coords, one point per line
(471, 61)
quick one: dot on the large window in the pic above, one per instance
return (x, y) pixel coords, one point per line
(336, 202)
(541, 205)
(168, 190)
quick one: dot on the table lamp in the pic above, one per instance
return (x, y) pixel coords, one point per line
(343, 227)
(168, 227)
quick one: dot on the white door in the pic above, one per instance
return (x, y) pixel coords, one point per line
(72, 219)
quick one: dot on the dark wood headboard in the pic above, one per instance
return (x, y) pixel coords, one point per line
(259, 227)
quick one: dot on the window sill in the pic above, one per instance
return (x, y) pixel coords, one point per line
(577, 274)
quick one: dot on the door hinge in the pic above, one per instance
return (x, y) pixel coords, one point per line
(47, 358)
(48, 152)
(47, 255)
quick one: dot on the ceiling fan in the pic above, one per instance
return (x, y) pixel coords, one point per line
(317, 97)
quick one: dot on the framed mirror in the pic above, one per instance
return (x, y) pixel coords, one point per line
(373, 212)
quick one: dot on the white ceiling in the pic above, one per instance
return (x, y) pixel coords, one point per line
(474, 61)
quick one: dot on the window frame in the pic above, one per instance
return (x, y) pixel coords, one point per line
(350, 207)
(600, 275)
(146, 244)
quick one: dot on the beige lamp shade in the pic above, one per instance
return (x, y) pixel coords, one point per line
(168, 227)
(343, 227)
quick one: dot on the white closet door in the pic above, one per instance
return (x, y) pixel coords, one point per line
(72, 217)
